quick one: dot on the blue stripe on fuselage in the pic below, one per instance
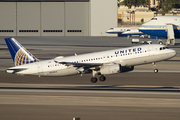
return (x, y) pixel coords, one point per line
(160, 33)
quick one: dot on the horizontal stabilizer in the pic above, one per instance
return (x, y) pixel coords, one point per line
(13, 71)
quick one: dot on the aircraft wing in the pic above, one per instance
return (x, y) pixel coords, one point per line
(87, 65)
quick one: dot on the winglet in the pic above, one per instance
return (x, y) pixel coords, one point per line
(19, 54)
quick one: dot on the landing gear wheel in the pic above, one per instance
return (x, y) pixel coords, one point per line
(102, 78)
(93, 79)
(155, 70)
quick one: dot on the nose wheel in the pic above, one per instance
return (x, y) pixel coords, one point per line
(155, 70)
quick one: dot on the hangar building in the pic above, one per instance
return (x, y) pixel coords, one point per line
(57, 17)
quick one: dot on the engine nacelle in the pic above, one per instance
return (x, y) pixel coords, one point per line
(110, 69)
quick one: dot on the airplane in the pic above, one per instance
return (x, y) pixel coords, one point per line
(98, 63)
(163, 26)
(125, 31)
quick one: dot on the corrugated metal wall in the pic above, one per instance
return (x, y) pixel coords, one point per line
(76, 19)
(58, 18)
(103, 16)
(52, 19)
(44, 19)
(7, 19)
(28, 18)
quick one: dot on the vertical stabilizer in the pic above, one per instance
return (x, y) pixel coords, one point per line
(19, 54)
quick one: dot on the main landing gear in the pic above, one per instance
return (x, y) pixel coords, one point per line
(155, 70)
(102, 78)
(93, 79)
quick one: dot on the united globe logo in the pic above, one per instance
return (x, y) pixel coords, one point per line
(24, 57)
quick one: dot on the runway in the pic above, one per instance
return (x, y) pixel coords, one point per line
(137, 95)
(132, 96)
(88, 105)
(130, 79)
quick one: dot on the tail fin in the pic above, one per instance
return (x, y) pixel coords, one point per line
(19, 54)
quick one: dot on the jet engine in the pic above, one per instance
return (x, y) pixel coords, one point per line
(110, 69)
(114, 69)
(127, 69)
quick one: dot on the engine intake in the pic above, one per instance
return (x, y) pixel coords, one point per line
(127, 69)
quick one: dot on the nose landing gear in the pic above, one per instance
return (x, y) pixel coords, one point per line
(155, 70)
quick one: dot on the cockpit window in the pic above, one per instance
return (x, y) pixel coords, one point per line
(154, 19)
(163, 48)
(128, 30)
(111, 28)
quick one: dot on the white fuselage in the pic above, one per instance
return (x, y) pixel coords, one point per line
(157, 26)
(130, 56)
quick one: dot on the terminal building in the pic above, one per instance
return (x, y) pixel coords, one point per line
(57, 17)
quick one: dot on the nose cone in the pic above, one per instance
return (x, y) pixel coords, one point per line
(145, 24)
(110, 31)
(171, 53)
(107, 31)
(174, 53)
(142, 28)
